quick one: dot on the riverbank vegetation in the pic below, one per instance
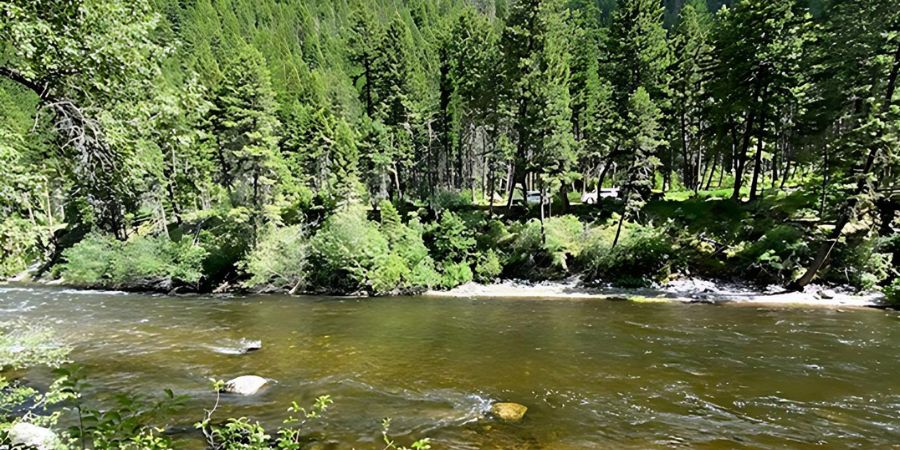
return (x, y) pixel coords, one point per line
(389, 147)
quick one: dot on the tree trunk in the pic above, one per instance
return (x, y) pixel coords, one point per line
(757, 168)
(619, 227)
(741, 158)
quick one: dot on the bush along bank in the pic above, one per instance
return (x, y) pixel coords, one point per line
(382, 251)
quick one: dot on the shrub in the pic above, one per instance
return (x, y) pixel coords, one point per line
(424, 275)
(227, 236)
(89, 262)
(345, 250)
(18, 239)
(775, 257)
(860, 264)
(562, 239)
(444, 199)
(453, 240)
(560, 242)
(455, 274)
(642, 255)
(102, 261)
(892, 294)
(404, 240)
(389, 274)
(488, 267)
(280, 260)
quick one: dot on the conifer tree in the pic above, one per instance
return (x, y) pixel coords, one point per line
(536, 70)
(643, 137)
(362, 48)
(692, 51)
(244, 123)
(639, 57)
(759, 50)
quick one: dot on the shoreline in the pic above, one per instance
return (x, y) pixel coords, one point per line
(679, 291)
(684, 291)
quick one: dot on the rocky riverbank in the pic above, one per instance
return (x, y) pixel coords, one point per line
(683, 291)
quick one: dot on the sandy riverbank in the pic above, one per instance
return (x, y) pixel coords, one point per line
(684, 291)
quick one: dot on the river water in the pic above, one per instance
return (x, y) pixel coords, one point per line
(593, 373)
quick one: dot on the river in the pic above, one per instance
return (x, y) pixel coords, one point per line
(593, 373)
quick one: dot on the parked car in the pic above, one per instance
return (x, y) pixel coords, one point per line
(590, 198)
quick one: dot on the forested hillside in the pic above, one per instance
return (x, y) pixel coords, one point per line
(382, 146)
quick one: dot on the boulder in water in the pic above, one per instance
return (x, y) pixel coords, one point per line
(509, 412)
(248, 345)
(26, 435)
(245, 385)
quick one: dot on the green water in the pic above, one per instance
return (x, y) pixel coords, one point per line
(594, 374)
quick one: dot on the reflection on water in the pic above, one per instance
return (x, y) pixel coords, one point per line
(594, 374)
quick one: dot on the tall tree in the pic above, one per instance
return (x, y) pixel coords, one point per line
(691, 49)
(362, 45)
(643, 137)
(244, 122)
(639, 57)
(536, 70)
(759, 50)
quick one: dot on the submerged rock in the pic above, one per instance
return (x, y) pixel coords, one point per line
(240, 347)
(245, 385)
(26, 435)
(509, 412)
(250, 346)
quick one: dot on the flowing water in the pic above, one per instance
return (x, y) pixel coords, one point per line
(593, 373)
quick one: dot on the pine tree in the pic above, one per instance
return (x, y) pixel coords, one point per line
(362, 47)
(638, 49)
(244, 123)
(536, 69)
(639, 57)
(859, 74)
(692, 51)
(593, 112)
(759, 50)
(643, 137)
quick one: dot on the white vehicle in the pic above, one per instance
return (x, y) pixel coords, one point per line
(590, 198)
(609, 193)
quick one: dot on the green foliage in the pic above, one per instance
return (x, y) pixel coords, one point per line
(266, 114)
(859, 264)
(449, 200)
(280, 260)
(89, 262)
(18, 238)
(102, 261)
(346, 249)
(452, 240)
(892, 293)
(549, 247)
(562, 239)
(489, 267)
(455, 273)
(774, 257)
(24, 345)
(350, 254)
(643, 255)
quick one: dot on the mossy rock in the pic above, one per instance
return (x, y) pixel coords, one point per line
(509, 412)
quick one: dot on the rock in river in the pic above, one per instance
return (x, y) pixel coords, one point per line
(245, 385)
(26, 435)
(508, 412)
